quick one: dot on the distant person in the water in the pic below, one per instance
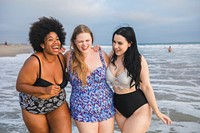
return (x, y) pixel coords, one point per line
(169, 49)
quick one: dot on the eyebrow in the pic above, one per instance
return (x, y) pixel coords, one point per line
(52, 37)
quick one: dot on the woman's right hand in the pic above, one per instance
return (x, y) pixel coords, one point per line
(53, 90)
(50, 91)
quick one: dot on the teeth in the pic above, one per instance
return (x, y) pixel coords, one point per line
(55, 47)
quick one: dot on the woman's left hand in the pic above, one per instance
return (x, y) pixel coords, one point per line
(165, 118)
(62, 49)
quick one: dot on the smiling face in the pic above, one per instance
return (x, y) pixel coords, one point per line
(51, 44)
(120, 45)
(83, 42)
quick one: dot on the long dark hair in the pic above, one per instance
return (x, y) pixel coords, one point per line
(132, 57)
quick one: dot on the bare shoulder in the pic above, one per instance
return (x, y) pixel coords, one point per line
(106, 57)
(32, 61)
(67, 56)
(143, 58)
(62, 58)
(104, 53)
(144, 62)
(29, 71)
(30, 66)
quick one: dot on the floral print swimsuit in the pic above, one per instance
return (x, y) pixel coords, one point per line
(92, 102)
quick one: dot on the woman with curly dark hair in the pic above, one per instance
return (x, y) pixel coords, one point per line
(42, 79)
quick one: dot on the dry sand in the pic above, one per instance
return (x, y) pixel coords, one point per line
(13, 50)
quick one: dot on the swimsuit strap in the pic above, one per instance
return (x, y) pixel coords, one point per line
(102, 59)
(60, 62)
(39, 64)
(70, 60)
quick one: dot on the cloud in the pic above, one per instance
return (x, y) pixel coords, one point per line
(103, 16)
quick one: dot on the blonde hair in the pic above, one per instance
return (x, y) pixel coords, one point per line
(78, 60)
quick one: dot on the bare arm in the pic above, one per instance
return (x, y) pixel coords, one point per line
(27, 77)
(97, 47)
(111, 54)
(149, 93)
(67, 57)
(106, 58)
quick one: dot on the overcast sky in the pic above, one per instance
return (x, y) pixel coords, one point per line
(154, 21)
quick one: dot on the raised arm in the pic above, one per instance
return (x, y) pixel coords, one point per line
(106, 58)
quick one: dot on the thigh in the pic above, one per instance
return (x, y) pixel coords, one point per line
(106, 126)
(87, 127)
(120, 119)
(60, 120)
(139, 121)
(36, 123)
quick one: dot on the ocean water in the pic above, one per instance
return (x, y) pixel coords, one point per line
(175, 78)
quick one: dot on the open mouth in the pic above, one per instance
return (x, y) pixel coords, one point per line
(84, 48)
(55, 47)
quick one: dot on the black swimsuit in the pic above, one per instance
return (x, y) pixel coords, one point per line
(128, 103)
(37, 105)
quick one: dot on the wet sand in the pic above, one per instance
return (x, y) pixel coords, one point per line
(13, 50)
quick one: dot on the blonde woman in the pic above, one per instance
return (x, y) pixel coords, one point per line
(91, 100)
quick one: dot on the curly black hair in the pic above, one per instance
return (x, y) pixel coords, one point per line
(41, 28)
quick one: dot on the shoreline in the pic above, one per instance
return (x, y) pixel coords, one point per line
(13, 50)
(174, 77)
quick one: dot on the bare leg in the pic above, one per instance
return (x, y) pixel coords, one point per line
(35, 123)
(106, 126)
(60, 120)
(120, 119)
(139, 121)
(87, 127)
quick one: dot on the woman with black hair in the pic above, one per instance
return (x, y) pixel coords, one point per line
(42, 79)
(128, 73)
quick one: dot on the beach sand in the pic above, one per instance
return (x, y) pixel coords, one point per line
(13, 50)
